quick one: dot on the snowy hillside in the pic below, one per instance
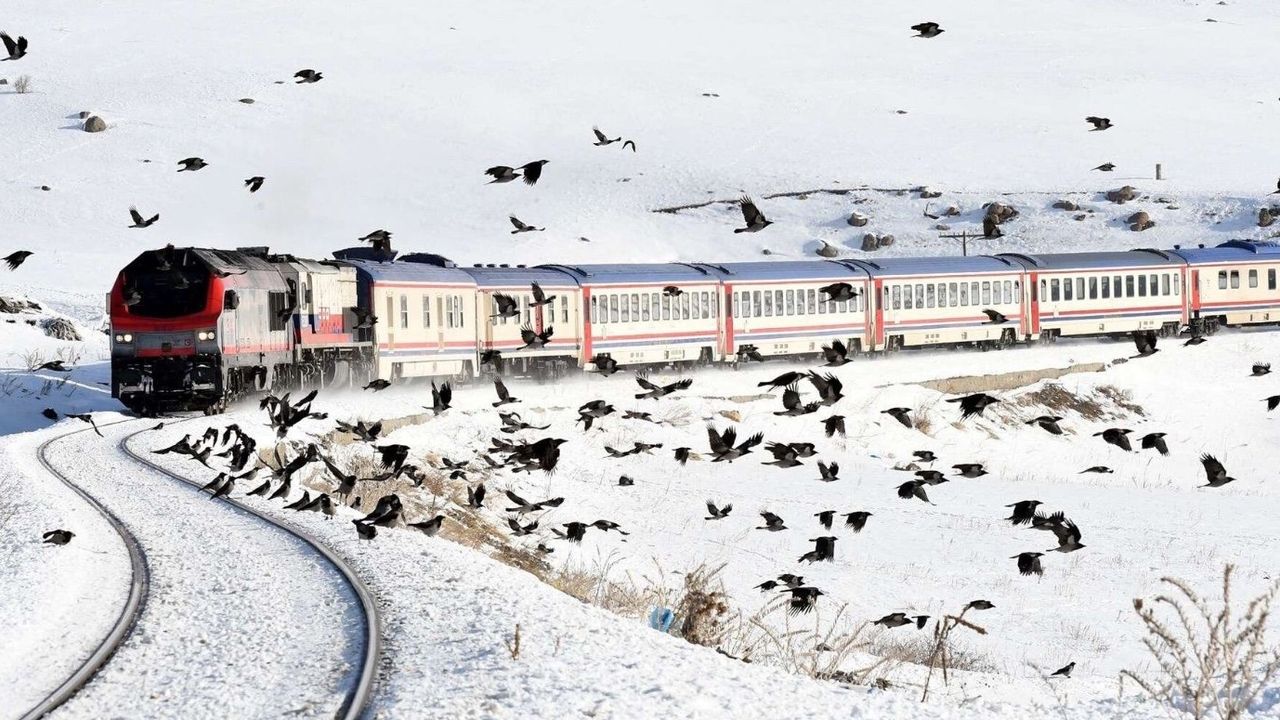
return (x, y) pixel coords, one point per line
(418, 99)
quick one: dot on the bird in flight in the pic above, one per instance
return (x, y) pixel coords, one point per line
(138, 221)
(755, 220)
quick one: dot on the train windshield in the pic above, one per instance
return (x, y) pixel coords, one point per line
(166, 284)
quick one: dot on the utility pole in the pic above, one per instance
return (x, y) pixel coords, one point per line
(963, 237)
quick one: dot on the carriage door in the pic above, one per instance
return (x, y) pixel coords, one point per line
(441, 322)
(389, 320)
(1193, 294)
(726, 321)
(877, 297)
(1033, 293)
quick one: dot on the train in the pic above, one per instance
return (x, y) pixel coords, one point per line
(196, 328)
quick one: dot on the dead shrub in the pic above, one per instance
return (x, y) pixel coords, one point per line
(22, 84)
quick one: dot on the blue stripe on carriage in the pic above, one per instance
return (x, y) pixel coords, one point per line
(1108, 315)
(702, 339)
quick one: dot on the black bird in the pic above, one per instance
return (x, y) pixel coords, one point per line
(1260, 369)
(924, 455)
(521, 226)
(1029, 563)
(14, 259)
(54, 365)
(836, 354)
(87, 418)
(1196, 339)
(632, 143)
(672, 291)
(970, 470)
(784, 456)
(772, 522)
(475, 496)
(1118, 437)
(901, 414)
(715, 513)
(1214, 471)
(1277, 190)
(824, 550)
(297, 504)
(637, 415)
(365, 530)
(828, 473)
(828, 387)
(913, 489)
(605, 365)
(974, 404)
(857, 519)
(138, 222)
(224, 489)
(607, 525)
(492, 357)
(722, 444)
(432, 526)
(254, 183)
(791, 580)
(928, 30)
(833, 425)
(656, 391)
(682, 454)
(1064, 671)
(1145, 341)
(1063, 528)
(535, 340)
(767, 585)
(749, 352)
(501, 174)
(308, 76)
(931, 477)
(1106, 167)
(1098, 123)
(894, 620)
(825, 518)
(792, 406)
(521, 530)
(1100, 469)
(593, 410)
(364, 318)
(1048, 423)
(979, 605)
(783, 380)
(16, 49)
(995, 318)
(192, 164)
(1155, 441)
(440, 397)
(1272, 402)
(539, 297)
(803, 600)
(380, 239)
(50, 413)
(752, 216)
(575, 531)
(504, 396)
(508, 307)
(1024, 511)
(392, 456)
(57, 537)
(532, 171)
(838, 292)
(601, 139)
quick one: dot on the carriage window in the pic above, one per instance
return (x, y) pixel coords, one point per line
(685, 304)
(1055, 290)
(942, 295)
(459, 320)
(595, 309)
(713, 302)
(897, 297)
(964, 294)
(635, 307)
(823, 304)
(813, 297)
(1117, 285)
(791, 302)
(800, 308)
(404, 311)
(626, 308)
(1142, 286)
(1164, 284)
(919, 296)
(1067, 293)
(1093, 288)
(1155, 285)
(986, 293)
(777, 300)
(1253, 278)
(564, 309)
(1235, 279)
(666, 305)
(1175, 285)
(614, 315)
(1222, 279)
(1128, 286)
(1106, 286)
(703, 305)
(1044, 289)
(908, 302)
(973, 293)
(1271, 279)
(644, 308)
(1016, 295)
(930, 295)
(955, 296)
(768, 303)
(426, 311)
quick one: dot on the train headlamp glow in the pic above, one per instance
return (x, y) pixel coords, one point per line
(204, 335)
(124, 337)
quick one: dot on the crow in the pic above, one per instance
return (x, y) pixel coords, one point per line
(492, 357)
(432, 526)
(1106, 167)
(1048, 423)
(1024, 511)
(534, 340)
(715, 513)
(57, 537)
(1277, 190)
(475, 496)
(784, 456)
(783, 380)
(1100, 469)
(656, 392)
(767, 585)
(308, 76)
(440, 397)
(927, 30)
(828, 473)
(637, 415)
(377, 384)
(913, 488)
(608, 525)
(533, 171)
(86, 418)
(1064, 671)
(521, 226)
(755, 220)
(901, 414)
(682, 454)
(1214, 471)
(364, 319)
(501, 174)
(1155, 441)
(593, 410)
(601, 139)
(521, 530)
(791, 405)
(365, 531)
(14, 259)
(791, 580)
(508, 307)
(672, 291)
(254, 183)
(970, 470)
(825, 518)
(931, 477)
(380, 239)
(828, 387)
(504, 396)
(836, 354)
(893, 620)
(605, 365)
(1029, 563)
(974, 404)
(512, 423)
(995, 318)
(803, 600)
(747, 353)
(1260, 369)
(1065, 530)
(16, 49)
(1098, 123)
(722, 444)
(299, 503)
(924, 455)
(824, 550)
(346, 482)
(385, 512)
(772, 522)
(1145, 341)
(50, 413)
(979, 605)
(839, 292)
(192, 164)
(833, 425)
(857, 519)
(1116, 436)
(632, 143)
(1272, 402)
(392, 456)
(54, 365)
(138, 222)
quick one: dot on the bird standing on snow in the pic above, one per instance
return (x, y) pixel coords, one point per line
(58, 537)
(1065, 670)
(1145, 341)
(138, 222)
(377, 384)
(754, 219)
(86, 418)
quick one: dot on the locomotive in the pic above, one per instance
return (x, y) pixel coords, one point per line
(194, 328)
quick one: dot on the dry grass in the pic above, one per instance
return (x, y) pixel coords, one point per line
(1211, 662)
(22, 84)
(966, 384)
(912, 647)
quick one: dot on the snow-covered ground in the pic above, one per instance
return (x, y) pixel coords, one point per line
(721, 99)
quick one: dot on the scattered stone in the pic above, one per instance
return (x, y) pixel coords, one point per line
(247, 101)
(901, 112)
(886, 241)
(45, 188)
(733, 415)
(1080, 217)
(942, 227)
(857, 219)
(927, 194)
(999, 212)
(60, 328)
(1172, 207)
(1140, 221)
(1066, 205)
(828, 250)
(951, 211)
(4, 81)
(1163, 200)
(1265, 218)
(84, 114)
(870, 243)
(95, 124)
(14, 305)
(766, 251)
(1122, 195)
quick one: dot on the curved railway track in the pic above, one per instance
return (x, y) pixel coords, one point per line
(359, 688)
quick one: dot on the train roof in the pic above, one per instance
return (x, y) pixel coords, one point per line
(783, 270)
(953, 265)
(1143, 257)
(1232, 251)
(226, 261)
(407, 271)
(509, 275)
(635, 273)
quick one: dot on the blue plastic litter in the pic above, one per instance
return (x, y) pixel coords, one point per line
(661, 618)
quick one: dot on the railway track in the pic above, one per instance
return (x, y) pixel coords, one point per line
(359, 682)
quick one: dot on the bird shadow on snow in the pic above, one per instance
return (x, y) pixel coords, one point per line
(25, 395)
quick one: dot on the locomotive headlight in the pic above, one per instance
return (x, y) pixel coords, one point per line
(124, 338)
(204, 335)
